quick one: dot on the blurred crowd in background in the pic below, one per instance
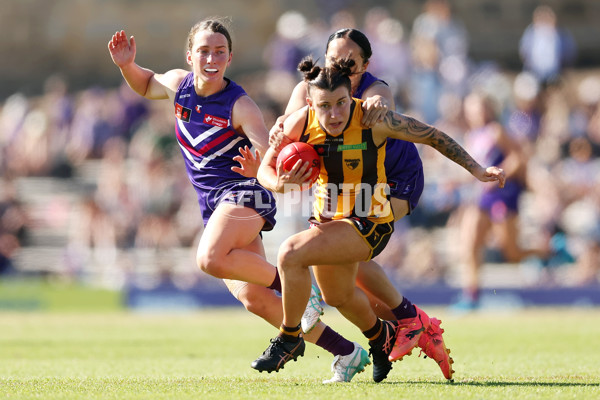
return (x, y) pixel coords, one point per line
(129, 190)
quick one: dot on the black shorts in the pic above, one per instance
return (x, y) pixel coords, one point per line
(375, 235)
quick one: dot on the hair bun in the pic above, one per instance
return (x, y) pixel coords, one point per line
(308, 68)
(343, 66)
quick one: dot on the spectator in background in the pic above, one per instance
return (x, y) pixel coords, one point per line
(545, 48)
(159, 198)
(341, 19)
(90, 124)
(438, 23)
(285, 49)
(584, 116)
(391, 53)
(13, 113)
(593, 124)
(57, 104)
(524, 117)
(439, 46)
(13, 224)
(543, 205)
(425, 84)
(577, 177)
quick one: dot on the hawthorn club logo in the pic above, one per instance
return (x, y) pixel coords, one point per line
(352, 163)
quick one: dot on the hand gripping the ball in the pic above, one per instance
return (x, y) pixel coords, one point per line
(298, 164)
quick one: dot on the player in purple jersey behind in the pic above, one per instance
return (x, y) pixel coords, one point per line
(216, 123)
(404, 172)
(490, 209)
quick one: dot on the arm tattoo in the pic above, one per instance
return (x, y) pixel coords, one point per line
(452, 150)
(419, 132)
(415, 131)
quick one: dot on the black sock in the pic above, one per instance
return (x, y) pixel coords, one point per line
(405, 310)
(276, 285)
(374, 332)
(335, 343)
(290, 334)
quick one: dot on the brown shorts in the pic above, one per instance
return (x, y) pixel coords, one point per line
(375, 235)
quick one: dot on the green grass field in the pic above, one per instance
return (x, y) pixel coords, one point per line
(532, 354)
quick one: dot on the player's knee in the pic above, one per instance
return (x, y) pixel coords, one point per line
(288, 254)
(213, 265)
(337, 299)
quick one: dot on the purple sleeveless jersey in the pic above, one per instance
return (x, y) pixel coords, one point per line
(498, 203)
(403, 165)
(208, 144)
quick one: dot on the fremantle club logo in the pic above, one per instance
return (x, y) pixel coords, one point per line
(243, 193)
(183, 113)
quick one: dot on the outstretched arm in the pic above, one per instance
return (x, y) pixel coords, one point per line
(399, 126)
(143, 81)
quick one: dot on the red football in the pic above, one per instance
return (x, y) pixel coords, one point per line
(293, 152)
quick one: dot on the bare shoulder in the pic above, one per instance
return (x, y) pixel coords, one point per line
(243, 108)
(294, 124)
(298, 97)
(245, 102)
(171, 79)
(245, 115)
(301, 88)
(379, 88)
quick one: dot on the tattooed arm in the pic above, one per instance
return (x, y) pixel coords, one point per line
(403, 127)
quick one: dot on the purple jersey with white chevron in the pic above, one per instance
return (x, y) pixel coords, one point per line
(208, 143)
(403, 165)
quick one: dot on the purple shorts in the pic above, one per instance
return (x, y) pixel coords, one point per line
(499, 203)
(245, 193)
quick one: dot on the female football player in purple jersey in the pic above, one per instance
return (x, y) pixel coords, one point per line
(215, 123)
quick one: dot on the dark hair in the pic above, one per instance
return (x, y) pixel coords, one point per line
(357, 37)
(328, 78)
(213, 24)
